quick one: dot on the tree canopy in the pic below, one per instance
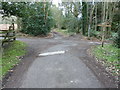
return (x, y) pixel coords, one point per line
(36, 16)
(79, 17)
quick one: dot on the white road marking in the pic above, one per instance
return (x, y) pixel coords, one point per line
(52, 53)
(95, 42)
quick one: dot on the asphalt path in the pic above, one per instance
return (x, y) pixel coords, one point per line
(66, 70)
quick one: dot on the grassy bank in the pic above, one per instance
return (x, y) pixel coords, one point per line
(64, 32)
(10, 56)
(108, 56)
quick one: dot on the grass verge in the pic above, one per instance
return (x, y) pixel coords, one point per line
(64, 32)
(108, 56)
(11, 56)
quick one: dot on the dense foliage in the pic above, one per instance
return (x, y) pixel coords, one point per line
(117, 39)
(36, 17)
(116, 26)
(39, 17)
(87, 16)
(66, 18)
(39, 20)
(58, 17)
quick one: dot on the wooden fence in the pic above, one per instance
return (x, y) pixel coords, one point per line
(8, 34)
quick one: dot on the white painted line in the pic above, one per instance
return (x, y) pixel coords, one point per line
(95, 42)
(52, 53)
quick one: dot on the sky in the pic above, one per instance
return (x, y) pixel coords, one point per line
(56, 2)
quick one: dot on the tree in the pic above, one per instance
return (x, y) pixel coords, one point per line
(71, 12)
(36, 16)
(116, 25)
(84, 18)
(90, 20)
(57, 16)
(14, 8)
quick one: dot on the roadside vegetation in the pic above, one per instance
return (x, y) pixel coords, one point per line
(64, 32)
(32, 18)
(108, 56)
(11, 56)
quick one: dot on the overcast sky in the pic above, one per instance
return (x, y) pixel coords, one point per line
(56, 2)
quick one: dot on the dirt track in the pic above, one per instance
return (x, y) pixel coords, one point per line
(74, 69)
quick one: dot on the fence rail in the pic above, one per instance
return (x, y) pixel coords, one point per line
(8, 34)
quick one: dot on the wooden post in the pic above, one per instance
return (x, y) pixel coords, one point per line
(103, 36)
(13, 29)
(8, 34)
(104, 25)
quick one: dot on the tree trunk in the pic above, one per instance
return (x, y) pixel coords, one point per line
(103, 28)
(90, 21)
(84, 17)
(96, 18)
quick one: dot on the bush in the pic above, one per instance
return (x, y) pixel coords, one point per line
(72, 24)
(36, 16)
(37, 23)
(117, 39)
(96, 34)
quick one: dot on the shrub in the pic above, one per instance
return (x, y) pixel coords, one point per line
(96, 34)
(117, 39)
(36, 16)
(37, 23)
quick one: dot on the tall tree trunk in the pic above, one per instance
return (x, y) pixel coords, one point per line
(111, 13)
(106, 20)
(103, 21)
(90, 21)
(96, 18)
(84, 17)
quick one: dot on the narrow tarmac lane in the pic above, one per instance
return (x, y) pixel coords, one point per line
(65, 70)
